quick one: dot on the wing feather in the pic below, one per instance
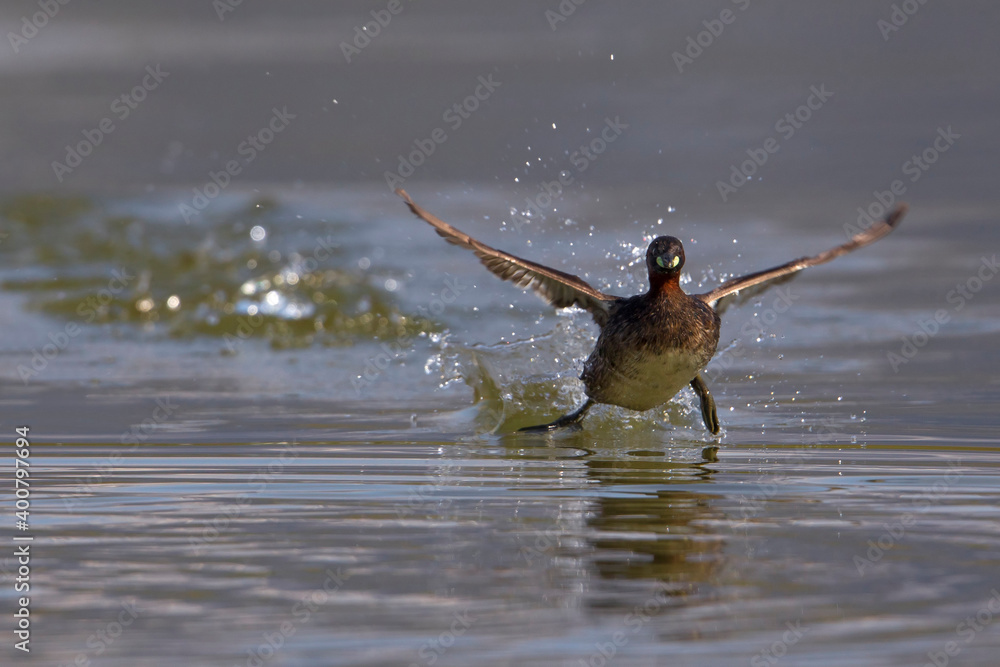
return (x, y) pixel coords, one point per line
(768, 277)
(560, 289)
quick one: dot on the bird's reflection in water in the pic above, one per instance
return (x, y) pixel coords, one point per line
(651, 533)
(639, 533)
(645, 528)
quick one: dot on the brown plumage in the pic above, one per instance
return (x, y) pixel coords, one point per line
(651, 345)
(562, 290)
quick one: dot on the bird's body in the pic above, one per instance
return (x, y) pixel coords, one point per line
(651, 347)
(654, 344)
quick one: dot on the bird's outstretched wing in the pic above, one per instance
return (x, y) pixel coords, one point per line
(786, 271)
(562, 290)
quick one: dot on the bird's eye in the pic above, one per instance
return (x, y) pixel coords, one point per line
(659, 261)
(672, 264)
(675, 261)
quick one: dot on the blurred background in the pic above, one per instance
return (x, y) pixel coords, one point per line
(688, 121)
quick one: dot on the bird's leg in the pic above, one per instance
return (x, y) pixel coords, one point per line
(565, 420)
(707, 404)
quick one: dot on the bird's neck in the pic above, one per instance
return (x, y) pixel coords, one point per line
(664, 285)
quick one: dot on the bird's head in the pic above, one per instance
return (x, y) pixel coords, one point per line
(665, 259)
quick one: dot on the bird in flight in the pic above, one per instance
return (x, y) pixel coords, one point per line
(651, 345)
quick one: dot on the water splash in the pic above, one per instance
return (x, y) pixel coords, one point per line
(96, 263)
